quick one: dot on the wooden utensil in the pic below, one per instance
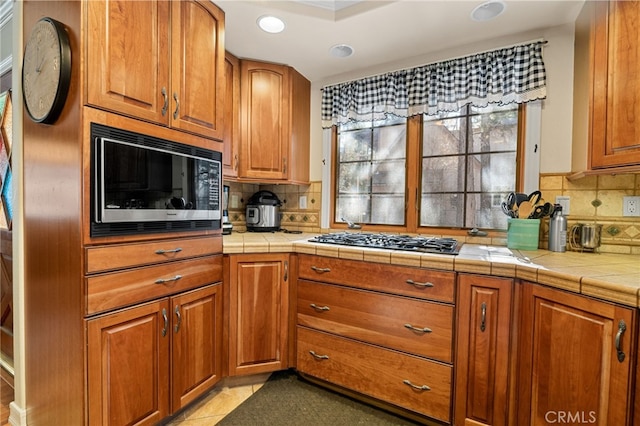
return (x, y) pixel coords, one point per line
(524, 210)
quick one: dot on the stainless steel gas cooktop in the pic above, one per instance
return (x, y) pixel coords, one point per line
(391, 242)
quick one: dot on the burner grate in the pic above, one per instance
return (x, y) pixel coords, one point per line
(391, 242)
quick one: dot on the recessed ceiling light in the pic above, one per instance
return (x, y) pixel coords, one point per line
(488, 10)
(341, 50)
(270, 24)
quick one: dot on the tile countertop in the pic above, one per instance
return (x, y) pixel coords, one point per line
(612, 277)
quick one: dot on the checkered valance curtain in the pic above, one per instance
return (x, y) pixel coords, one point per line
(510, 75)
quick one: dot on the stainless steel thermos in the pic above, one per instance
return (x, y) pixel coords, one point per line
(558, 230)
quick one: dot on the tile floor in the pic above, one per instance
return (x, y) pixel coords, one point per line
(220, 401)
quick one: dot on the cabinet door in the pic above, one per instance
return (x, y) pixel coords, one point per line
(258, 313)
(128, 57)
(197, 68)
(128, 366)
(615, 98)
(197, 343)
(484, 318)
(575, 358)
(265, 139)
(231, 136)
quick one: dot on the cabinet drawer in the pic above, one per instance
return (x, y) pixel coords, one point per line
(404, 280)
(377, 372)
(114, 290)
(121, 256)
(409, 325)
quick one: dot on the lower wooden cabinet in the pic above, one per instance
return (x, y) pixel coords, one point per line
(576, 358)
(258, 313)
(483, 347)
(149, 361)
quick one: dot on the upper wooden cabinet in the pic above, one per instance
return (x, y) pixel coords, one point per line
(231, 137)
(576, 356)
(615, 91)
(275, 111)
(159, 61)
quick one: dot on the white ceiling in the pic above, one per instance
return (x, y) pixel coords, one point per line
(379, 31)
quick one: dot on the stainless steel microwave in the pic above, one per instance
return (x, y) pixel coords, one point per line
(144, 184)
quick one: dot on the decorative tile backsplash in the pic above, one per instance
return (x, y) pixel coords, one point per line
(619, 234)
(294, 218)
(597, 199)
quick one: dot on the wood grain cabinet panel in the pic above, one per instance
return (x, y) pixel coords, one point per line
(128, 366)
(275, 132)
(401, 280)
(416, 326)
(482, 350)
(121, 256)
(410, 382)
(196, 362)
(615, 92)
(159, 61)
(151, 360)
(113, 290)
(575, 359)
(258, 313)
(231, 134)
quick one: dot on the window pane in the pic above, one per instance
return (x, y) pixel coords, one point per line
(483, 211)
(491, 172)
(355, 145)
(389, 142)
(443, 174)
(387, 210)
(442, 210)
(386, 179)
(355, 208)
(495, 132)
(444, 137)
(465, 172)
(371, 173)
(354, 178)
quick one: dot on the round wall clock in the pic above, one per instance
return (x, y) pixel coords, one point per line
(46, 70)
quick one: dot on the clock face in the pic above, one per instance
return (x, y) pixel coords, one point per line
(46, 71)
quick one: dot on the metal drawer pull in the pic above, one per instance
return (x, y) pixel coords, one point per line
(179, 322)
(166, 322)
(320, 270)
(316, 356)
(418, 329)
(319, 308)
(419, 285)
(162, 281)
(175, 112)
(483, 318)
(166, 101)
(622, 327)
(175, 250)
(422, 388)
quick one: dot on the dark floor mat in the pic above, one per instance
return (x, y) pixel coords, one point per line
(286, 399)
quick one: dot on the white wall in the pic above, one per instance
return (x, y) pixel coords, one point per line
(557, 108)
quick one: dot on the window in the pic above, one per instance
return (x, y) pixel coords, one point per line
(371, 178)
(464, 162)
(468, 162)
